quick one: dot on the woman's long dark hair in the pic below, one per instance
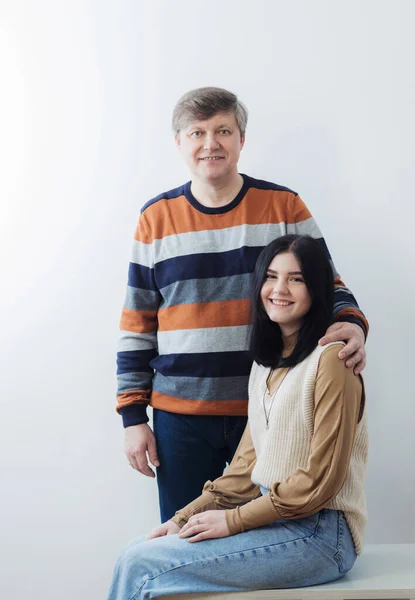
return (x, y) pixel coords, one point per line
(266, 337)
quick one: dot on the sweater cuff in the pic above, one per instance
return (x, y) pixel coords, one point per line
(206, 501)
(253, 514)
(179, 520)
(134, 414)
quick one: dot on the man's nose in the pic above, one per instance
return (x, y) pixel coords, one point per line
(211, 143)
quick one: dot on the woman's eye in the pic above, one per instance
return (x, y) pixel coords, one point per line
(297, 279)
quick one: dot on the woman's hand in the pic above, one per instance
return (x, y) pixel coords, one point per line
(205, 526)
(167, 528)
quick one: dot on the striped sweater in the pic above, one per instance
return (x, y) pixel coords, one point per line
(183, 346)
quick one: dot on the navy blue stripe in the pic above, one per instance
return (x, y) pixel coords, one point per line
(249, 182)
(174, 193)
(217, 210)
(342, 297)
(141, 277)
(259, 184)
(135, 360)
(204, 364)
(207, 265)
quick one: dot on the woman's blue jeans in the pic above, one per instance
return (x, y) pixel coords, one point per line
(285, 554)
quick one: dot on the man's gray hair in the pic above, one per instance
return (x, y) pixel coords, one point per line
(204, 103)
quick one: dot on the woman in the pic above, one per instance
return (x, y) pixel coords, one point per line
(290, 510)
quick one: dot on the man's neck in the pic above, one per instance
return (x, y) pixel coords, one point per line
(218, 194)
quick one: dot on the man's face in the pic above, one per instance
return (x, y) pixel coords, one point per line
(211, 148)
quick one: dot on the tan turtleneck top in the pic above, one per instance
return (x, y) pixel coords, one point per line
(338, 405)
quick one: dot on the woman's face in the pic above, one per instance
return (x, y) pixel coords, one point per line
(284, 294)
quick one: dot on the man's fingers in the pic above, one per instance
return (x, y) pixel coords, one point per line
(138, 460)
(332, 334)
(350, 349)
(354, 359)
(132, 461)
(360, 366)
(152, 453)
(143, 465)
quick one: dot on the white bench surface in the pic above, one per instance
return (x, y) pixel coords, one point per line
(383, 572)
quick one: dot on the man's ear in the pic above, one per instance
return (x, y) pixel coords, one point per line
(177, 139)
(242, 141)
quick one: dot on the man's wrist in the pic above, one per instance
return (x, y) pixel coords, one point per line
(354, 320)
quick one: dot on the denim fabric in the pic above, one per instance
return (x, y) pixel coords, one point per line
(285, 554)
(191, 450)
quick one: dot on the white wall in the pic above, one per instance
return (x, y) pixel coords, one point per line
(87, 89)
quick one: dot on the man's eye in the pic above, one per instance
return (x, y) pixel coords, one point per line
(196, 134)
(225, 131)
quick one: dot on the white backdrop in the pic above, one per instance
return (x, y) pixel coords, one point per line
(87, 90)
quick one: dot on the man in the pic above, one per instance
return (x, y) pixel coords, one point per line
(185, 323)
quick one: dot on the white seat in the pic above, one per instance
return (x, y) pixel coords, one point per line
(383, 572)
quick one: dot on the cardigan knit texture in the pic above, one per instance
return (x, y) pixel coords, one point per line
(285, 446)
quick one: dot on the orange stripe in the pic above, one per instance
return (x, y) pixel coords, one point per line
(134, 397)
(204, 314)
(338, 282)
(138, 321)
(199, 407)
(177, 215)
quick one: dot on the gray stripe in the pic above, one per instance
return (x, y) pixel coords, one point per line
(136, 341)
(341, 288)
(213, 339)
(142, 254)
(339, 306)
(235, 287)
(139, 299)
(197, 388)
(215, 240)
(130, 382)
(307, 227)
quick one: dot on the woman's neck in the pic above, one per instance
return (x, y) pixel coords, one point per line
(289, 341)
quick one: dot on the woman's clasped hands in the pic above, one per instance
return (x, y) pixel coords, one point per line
(208, 525)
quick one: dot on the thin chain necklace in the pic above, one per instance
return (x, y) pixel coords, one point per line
(267, 415)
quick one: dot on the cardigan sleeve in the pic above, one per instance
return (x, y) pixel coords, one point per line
(338, 398)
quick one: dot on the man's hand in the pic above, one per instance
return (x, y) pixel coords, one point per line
(205, 526)
(354, 351)
(140, 441)
(167, 528)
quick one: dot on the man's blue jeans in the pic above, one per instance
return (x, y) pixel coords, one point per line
(285, 554)
(191, 450)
